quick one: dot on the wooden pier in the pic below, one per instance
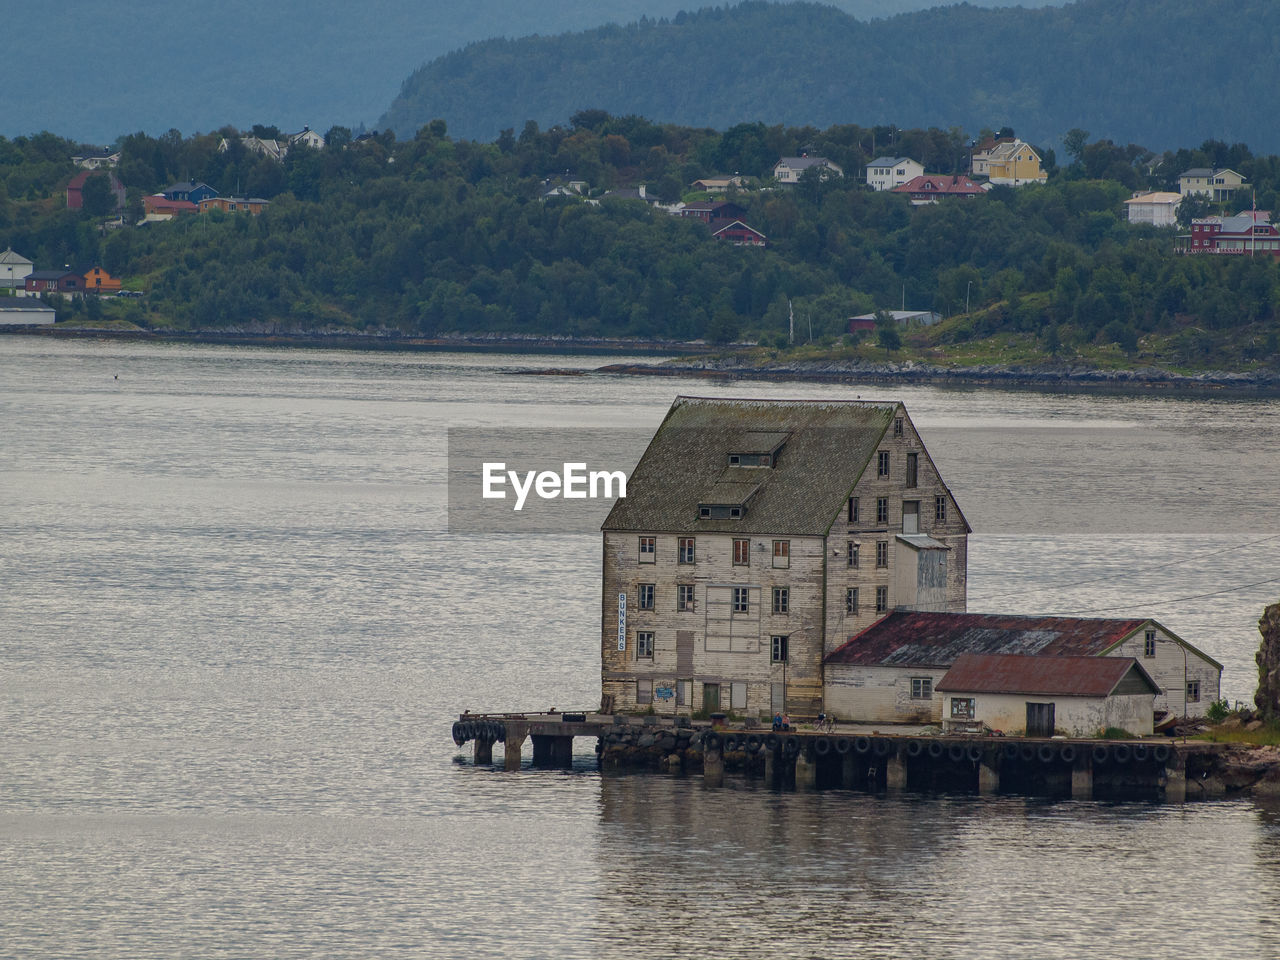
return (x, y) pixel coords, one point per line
(1153, 768)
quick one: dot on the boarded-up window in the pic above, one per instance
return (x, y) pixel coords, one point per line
(737, 696)
(644, 691)
(913, 469)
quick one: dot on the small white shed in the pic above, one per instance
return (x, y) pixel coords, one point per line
(1043, 696)
(15, 311)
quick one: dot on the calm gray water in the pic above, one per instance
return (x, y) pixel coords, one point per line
(233, 631)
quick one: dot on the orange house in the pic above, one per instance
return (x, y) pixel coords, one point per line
(98, 280)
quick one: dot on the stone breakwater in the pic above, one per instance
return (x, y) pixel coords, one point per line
(1039, 376)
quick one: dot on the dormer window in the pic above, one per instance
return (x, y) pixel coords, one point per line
(735, 460)
(721, 511)
(704, 513)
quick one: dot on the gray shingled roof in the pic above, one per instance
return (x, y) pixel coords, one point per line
(828, 445)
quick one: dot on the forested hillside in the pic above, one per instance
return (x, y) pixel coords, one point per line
(435, 235)
(91, 68)
(1157, 72)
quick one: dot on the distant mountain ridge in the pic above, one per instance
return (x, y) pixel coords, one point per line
(93, 70)
(1162, 73)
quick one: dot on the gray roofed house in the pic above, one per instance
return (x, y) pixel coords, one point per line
(14, 269)
(885, 173)
(24, 311)
(789, 169)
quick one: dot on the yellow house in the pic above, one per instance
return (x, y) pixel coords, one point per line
(1014, 163)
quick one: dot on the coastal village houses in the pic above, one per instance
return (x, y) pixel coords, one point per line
(1246, 234)
(804, 557)
(1008, 161)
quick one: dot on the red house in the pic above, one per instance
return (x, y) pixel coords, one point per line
(55, 281)
(75, 189)
(931, 188)
(737, 233)
(1246, 234)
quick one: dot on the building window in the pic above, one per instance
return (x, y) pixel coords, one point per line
(897, 423)
(913, 469)
(644, 645)
(781, 600)
(684, 693)
(962, 708)
(735, 460)
(741, 600)
(685, 552)
(940, 509)
(882, 599)
(851, 601)
(851, 551)
(922, 688)
(882, 509)
(648, 549)
(882, 553)
(782, 553)
(1149, 644)
(737, 696)
(644, 691)
(741, 553)
(778, 646)
(644, 596)
(853, 509)
(684, 596)
(704, 513)
(882, 464)
(1193, 691)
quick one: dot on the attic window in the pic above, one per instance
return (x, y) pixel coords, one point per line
(735, 513)
(704, 513)
(735, 460)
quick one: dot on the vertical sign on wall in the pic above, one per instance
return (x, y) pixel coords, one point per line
(622, 621)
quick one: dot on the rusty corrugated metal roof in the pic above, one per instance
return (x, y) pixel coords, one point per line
(937, 639)
(1040, 676)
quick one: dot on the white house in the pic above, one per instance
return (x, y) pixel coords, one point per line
(789, 169)
(1157, 208)
(14, 270)
(1044, 696)
(890, 670)
(885, 173)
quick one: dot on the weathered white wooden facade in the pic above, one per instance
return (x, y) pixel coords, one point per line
(755, 538)
(1048, 696)
(890, 671)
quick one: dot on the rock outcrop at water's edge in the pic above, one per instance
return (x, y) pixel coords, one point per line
(1267, 697)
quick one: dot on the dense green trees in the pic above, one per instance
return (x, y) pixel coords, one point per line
(434, 235)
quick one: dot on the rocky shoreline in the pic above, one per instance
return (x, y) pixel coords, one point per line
(1052, 377)
(697, 360)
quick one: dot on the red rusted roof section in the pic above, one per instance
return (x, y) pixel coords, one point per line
(904, 638)
(1040, 676)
